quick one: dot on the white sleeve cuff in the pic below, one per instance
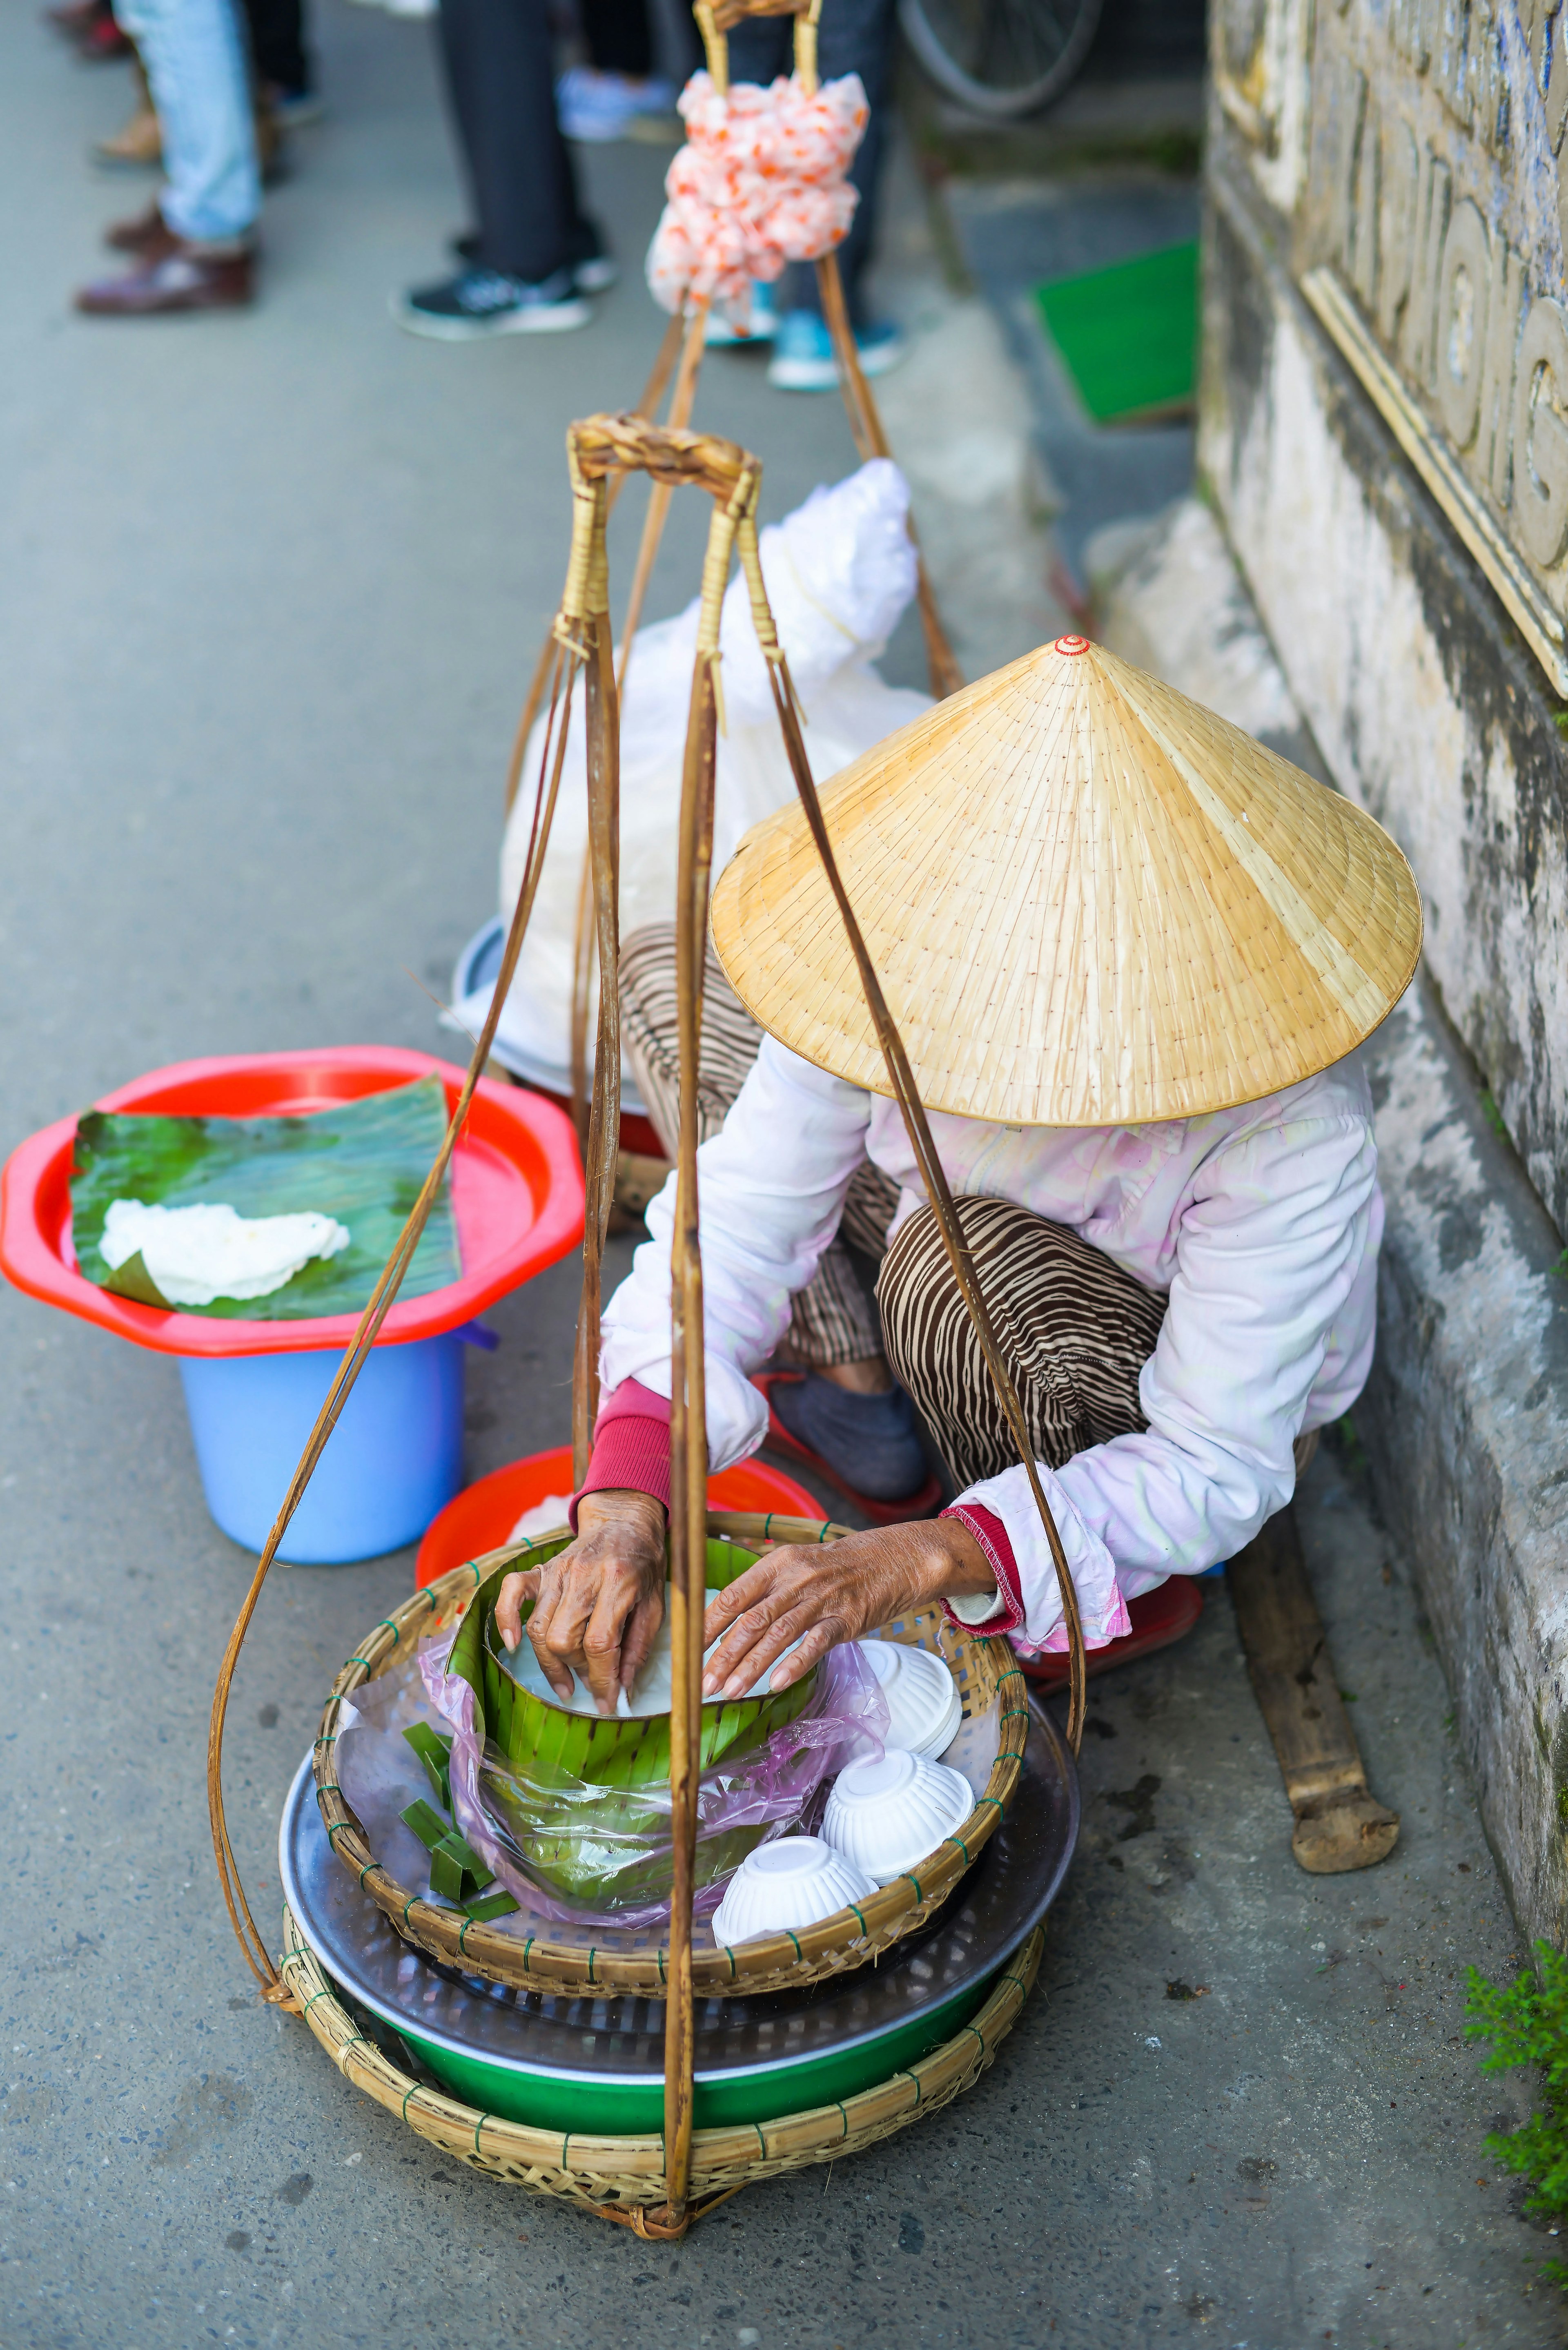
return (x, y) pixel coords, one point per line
(977, 1606)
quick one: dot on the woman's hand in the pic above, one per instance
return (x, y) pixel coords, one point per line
(838, 1592)
(598, 1605)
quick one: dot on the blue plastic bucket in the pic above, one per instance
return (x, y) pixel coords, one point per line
(393, 1461)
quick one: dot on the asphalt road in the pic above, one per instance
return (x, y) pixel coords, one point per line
(272, 586)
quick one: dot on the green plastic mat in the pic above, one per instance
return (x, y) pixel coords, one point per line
(362, 1161)
(1129, 334)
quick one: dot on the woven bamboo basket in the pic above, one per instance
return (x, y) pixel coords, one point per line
(985, 1671)
(618, 2177)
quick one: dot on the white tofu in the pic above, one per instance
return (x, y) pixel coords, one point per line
(195, 1254)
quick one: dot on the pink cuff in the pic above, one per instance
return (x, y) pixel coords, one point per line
(992, 1537)
(631, 1446)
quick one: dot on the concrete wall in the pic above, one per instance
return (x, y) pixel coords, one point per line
(1427, 707)
(1430, 707)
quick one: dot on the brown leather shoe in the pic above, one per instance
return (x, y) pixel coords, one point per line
(149, 235)
(185, 277)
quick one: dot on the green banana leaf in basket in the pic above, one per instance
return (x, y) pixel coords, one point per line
(362, 1161)
(584, 1797)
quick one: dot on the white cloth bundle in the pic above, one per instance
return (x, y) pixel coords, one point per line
(840, 571)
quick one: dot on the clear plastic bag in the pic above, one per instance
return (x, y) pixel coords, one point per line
(540, 1838)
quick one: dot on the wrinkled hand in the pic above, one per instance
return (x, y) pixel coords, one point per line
(838, 1592)
(598, 1605)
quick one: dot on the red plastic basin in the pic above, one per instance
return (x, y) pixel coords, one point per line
(483, 1514)
(1158, 1617)
(516, 1189)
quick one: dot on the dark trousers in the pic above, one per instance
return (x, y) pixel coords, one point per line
(855, 36)
(277, 43)
(501, 78)
(619, 37)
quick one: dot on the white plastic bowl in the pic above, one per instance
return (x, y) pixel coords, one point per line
(921, 1695)
(885, 1815)
(785, 1885)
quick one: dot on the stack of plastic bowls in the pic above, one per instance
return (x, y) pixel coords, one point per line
(782, 1887)
(920, 1694)
(884, 1815)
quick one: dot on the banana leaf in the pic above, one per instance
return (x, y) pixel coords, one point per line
(362, 1161)
(576, 1791)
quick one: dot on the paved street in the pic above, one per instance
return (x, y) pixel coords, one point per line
(271, 591)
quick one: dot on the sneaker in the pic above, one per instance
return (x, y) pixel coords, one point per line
(595, 274)
(481, 302)
(804, 361)
(720, 336)
(599, 106)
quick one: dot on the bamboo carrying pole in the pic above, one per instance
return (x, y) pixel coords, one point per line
(597, 450)
(684, 340)
(734, 479)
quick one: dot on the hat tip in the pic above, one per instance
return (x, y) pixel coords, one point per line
(1069, 647)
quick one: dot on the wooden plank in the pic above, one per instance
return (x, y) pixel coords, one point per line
(1339, 1824)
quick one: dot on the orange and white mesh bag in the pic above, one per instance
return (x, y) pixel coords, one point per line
(761, 181)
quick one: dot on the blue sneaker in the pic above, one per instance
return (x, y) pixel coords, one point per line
(803, 357)
(720, 336)
(597, 108)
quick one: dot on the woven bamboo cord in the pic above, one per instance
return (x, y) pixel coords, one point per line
(670, 457)
(689, 341)
(865, 419)
(653, 392)
(382, 1298)
(916, 1125)
(689, 1413)
(681, 404)
(583, 958)
(988, 1683)
(623, 2177)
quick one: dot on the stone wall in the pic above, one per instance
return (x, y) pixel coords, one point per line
(1383, 431)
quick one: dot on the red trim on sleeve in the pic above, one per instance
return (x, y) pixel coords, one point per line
(631, 1446)
(992, 1537)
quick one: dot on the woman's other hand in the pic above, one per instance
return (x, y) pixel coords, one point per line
(838, 1592)
(597, 1606)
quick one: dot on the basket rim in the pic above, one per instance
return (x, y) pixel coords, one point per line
(564, 2163)
(850, 1938)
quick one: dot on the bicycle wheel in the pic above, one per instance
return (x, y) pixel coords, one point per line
(1000, 58)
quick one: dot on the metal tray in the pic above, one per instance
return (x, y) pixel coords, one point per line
(619, 2042)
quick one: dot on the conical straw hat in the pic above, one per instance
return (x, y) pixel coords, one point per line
(1089, 901)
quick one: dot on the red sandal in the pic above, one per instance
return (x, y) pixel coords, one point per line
(923, 1502)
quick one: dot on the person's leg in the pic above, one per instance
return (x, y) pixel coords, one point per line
(619, 37)
(277, 44)
(196, 65)
(761, 48)
(500, 65)
(1074, 1327)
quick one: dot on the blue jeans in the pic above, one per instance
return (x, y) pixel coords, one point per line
(196, 69)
